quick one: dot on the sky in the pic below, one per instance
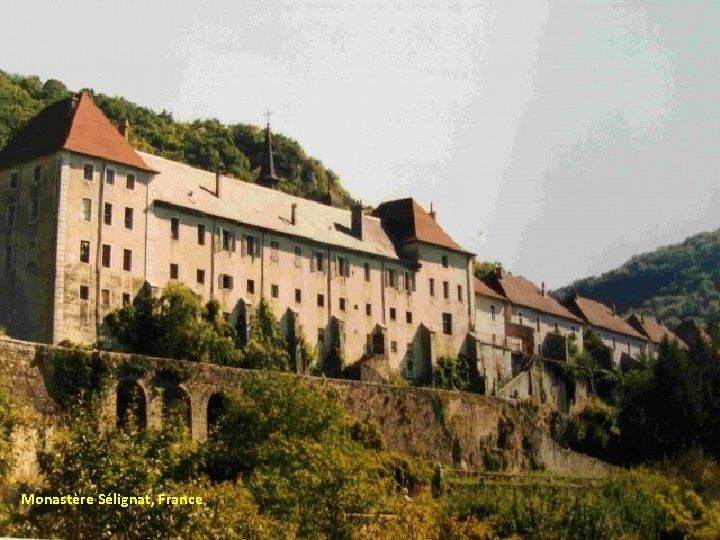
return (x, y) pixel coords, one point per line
(558, 138)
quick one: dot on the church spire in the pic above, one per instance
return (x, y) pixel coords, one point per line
(267, 168)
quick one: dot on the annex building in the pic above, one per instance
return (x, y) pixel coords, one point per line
(88, 223)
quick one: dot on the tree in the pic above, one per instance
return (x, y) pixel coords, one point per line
(266, 347)
(452, 373)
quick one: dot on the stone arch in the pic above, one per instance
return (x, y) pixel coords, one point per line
(131, 404)
(176, 401)
(216, 405)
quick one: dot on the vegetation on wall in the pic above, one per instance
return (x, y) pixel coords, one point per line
(452, 373)
(266, 347)
(673, 282)
(206, 144)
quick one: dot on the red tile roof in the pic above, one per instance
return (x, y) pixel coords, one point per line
(523, 292)
(485, 290)
(601, 316)
(407, 221)
(75, 125)
(653, 329)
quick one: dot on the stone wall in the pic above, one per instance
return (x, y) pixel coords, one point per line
(419, 421)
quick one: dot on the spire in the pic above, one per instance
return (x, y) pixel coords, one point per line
(267, 168)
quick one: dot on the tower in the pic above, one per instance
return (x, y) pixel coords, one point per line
(268, 178)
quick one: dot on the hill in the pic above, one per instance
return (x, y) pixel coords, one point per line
(206, 144)
(673, 282)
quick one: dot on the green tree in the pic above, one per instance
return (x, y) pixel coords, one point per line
(266, 347)
(452, 373)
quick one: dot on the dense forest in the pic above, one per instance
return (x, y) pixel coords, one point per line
(673, 282)
(207, 144)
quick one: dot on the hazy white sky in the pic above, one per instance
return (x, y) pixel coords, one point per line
(559, 138)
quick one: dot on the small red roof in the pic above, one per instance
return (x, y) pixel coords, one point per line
(653, 329)
(407, 221)
(485, 290)
(600, 315)
(72, 124)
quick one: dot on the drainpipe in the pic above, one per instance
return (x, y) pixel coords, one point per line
(212, 258)
(98, 252)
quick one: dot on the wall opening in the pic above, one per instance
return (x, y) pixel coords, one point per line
(176, 402)
(216, 407)
(131, 405)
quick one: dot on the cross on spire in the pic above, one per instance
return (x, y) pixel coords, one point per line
(267, 115)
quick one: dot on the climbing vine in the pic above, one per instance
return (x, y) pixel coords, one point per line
(74, 376)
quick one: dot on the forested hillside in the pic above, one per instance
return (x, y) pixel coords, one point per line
(207, 144)
(673, 282)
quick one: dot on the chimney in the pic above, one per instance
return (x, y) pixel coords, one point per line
(124, 128)
(293, 214)
(432, 212)
(613, 308)
(357, 220)
(499, 270)
(543, 288)
(218, 184)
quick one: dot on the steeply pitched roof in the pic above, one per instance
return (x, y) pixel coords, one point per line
(184, 186)
(406, 221)
(601, 316)
(483, 289)
(268, 177)
(73, 124)
(652, 328)
(523, 292)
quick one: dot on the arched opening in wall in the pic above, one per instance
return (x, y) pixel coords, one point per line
(176, 403)
(216, 407)
(131, 405)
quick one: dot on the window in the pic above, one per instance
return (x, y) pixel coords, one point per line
(10, 216)
(174, 271)
(520, 317)
(368, 310)
(105, 297)
(125, 299)
(14, 179)
(572, 328)
(393, 314)
(613, 344)
(366, 269)
(226, 316)
(129, 218)
(84, 292)
(298, 296)
(130, 181)
(33, 210)
(84, 251)
(226, 282)
(432, 287)
(105, 256)
(343, 267)
(274, 290)
(321, 300)
(107, 213)
(201, 234)
(459, 287)
(393, 346)
(274, 247)
(37, 174)
(252, 247)
(32, 252)
(343, 303)
(445, 261)
(8, 257)
(446, 289)
(110, 177)
(88, 172)
(250, 286)
(228, 239)
(321, 336)
(409, 368)
(318, 260)
(557, 327)
(447, 323)
(492, 312)
(200, 276)
(298, 256)
(86, 210)
(408, 317)
(537, 323)
(127, 260)
(391, 279)
(175, 228)
(410, 281)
